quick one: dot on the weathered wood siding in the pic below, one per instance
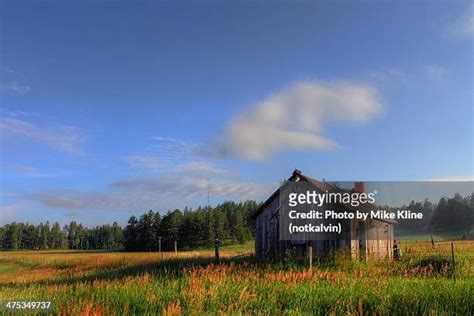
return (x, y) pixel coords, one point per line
(372, 239)
(368, 238)
(267, 234)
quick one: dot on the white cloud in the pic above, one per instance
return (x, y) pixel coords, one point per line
(170, 174)
(463, 25)
(168, 155)
(295, 119)
(61, 137)
(159, 164)
(434, 72)
(148, 163)
(199, 167)
(139, 194)
(172, 146)
(166, 139)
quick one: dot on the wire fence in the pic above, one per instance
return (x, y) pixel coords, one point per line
(461, 248)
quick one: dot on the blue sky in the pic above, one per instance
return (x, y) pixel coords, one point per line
(113, 108)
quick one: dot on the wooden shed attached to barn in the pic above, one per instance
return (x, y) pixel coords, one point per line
(370, 238)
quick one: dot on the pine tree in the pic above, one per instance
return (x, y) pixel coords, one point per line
(170, 226)
(146, 232)
(131, 234)
(56, 236)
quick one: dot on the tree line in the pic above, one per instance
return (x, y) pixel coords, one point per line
(450, 216)
(44, 236)
(230, 222)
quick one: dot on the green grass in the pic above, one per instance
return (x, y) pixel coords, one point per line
(192, 283)
(247, 247)
(6, 268)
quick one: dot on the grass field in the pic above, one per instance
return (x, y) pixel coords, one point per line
(120, 283)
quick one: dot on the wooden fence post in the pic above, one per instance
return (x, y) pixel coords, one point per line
(454, 263)
(310, 255)
(159, 247)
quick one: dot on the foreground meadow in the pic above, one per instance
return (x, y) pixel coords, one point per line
(193, 283)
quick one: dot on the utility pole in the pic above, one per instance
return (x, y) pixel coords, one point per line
(208, 194)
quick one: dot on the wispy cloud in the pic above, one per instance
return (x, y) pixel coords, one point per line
(26, 170)
(295, 119)
(169, 155)
(9, 81)
(200, 168)
(391, 76)
(145, 193)
(62, 137)
(15, 87)
(20, 167)
(435, 72)
(172, 146)
(147, 162)
(158, 164)
(463, 25)
(171, 173)
(189, 187)
(387, 75)
(452, 179)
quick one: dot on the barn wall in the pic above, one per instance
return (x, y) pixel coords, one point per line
(379, 239)
(267, 234)
(372, 239)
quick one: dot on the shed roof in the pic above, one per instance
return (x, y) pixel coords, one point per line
(297, 175)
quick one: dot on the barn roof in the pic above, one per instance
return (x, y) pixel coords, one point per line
(320, 185)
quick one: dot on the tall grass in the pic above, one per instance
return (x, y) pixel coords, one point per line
(193, 283)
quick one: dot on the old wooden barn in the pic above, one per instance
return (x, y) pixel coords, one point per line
(368, 239)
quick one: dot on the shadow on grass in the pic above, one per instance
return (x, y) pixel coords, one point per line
(52, 252)
(167, 268)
